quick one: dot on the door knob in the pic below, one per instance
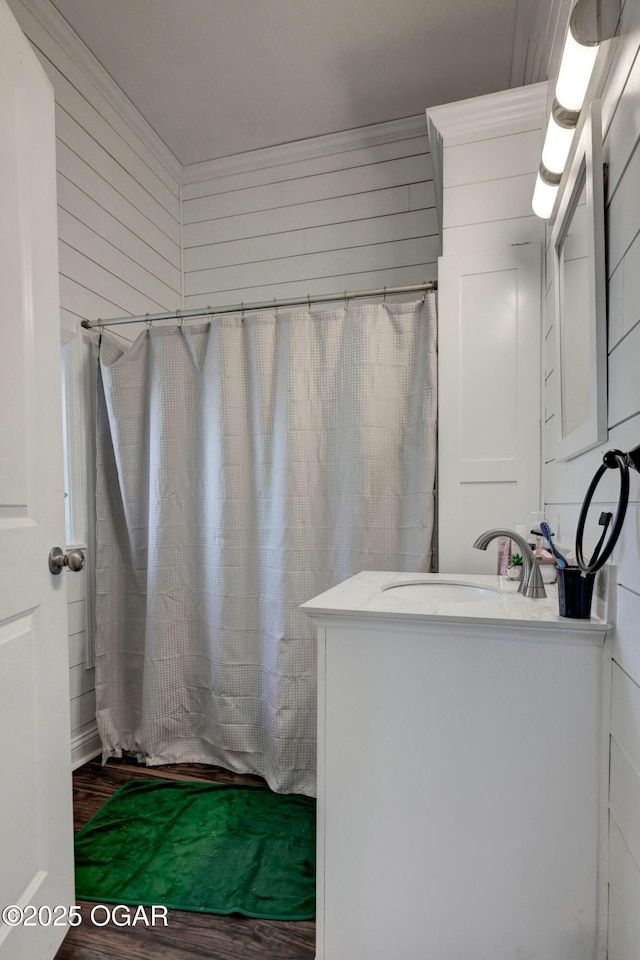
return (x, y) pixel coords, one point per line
(58, 560)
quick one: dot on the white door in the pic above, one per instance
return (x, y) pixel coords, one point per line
(36, 849)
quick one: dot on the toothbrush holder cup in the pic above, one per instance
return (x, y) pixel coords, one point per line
(575, 592)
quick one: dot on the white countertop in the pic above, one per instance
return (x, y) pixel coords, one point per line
(363, 596)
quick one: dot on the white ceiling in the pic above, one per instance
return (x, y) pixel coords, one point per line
(220, 77)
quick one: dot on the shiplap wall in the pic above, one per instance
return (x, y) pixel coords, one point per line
(119, 243)
(353, 210)
(566, 483)
(347, 211)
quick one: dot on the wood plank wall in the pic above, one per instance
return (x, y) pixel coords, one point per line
(566, 483)
(347, 211)
(353, 210)
(119, 205)
(119, 242)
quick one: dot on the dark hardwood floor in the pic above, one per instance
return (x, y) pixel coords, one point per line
(186, 935)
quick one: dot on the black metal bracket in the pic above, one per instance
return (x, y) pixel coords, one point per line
(633, 458)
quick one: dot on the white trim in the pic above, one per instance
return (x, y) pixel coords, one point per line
(85, 747)
(494, 115)
(330, 143)
(55, 25)
(602, 875)
(73, 385)
(436, 149)
(78, 403)
(546, 32)
(182, 270)
(587, 162)
(571, 632)
(521, 40)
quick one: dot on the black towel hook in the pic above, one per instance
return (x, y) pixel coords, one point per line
(612, 460)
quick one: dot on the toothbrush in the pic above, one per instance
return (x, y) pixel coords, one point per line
(604, 521)
(545, 530)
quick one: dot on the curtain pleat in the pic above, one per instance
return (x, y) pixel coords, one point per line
(243, 467)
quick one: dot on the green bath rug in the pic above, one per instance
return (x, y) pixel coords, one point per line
(213, 848)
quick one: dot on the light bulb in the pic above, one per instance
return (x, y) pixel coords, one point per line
(544, 197)
(557, 143)
(576, 66)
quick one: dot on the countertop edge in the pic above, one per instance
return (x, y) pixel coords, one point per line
(592, 631)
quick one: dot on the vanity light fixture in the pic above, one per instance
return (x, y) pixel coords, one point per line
(591, 22)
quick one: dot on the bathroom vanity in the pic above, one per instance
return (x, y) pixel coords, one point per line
(459, 747)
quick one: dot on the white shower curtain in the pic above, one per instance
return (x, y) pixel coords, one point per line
(243, 467)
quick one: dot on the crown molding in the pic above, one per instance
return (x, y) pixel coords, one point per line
(311, 148)
(494, 115)
(58, 28)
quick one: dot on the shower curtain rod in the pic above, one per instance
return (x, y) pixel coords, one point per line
(262, 305)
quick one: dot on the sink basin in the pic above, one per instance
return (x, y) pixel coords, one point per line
(442, 591)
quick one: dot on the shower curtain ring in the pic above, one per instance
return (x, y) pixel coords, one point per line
(147, 321)
(180, 319)
(309, 300)
(384, 294)
(275, 307)
(242, 312)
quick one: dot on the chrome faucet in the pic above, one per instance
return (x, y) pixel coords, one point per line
(531, 584)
